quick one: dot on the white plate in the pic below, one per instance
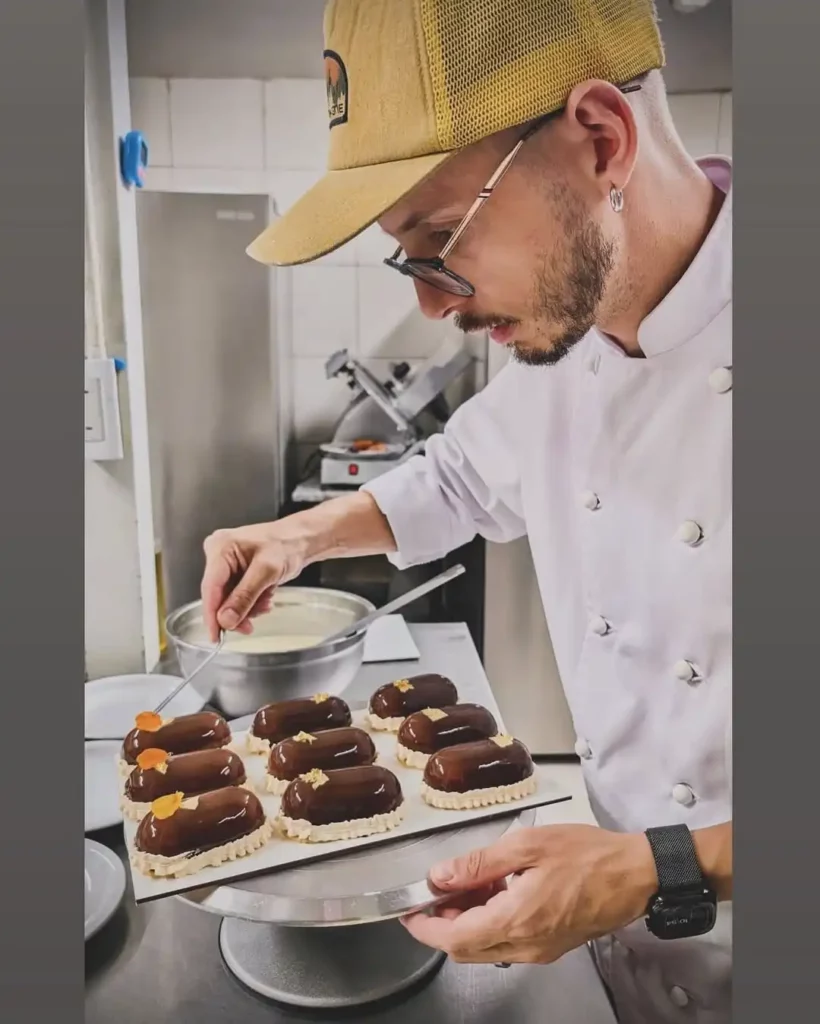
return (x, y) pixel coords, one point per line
(104, 886)
(112, 704)
(102, 786)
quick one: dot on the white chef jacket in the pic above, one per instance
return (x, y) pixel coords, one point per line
(619, 471)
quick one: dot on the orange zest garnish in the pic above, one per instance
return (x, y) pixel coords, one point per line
(166, 806)
(152, 758)
(149, 721)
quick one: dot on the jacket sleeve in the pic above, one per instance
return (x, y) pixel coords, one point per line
(467, 483)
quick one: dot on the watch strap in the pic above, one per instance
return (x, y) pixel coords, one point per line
(676, 860)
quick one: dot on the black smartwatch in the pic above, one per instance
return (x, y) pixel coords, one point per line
(684, 905)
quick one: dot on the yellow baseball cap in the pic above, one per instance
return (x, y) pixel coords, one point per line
(411, 82)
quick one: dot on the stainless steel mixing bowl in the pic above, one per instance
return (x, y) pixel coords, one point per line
(241, 682)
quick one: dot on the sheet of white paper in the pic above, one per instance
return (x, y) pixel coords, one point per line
(389, 639)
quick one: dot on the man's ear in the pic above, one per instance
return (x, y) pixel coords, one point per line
(600, 123)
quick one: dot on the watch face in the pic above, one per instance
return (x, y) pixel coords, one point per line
(682, 915)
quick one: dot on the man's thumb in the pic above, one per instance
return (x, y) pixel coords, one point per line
(481, 867)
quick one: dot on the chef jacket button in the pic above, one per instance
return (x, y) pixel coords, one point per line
(591, 500)
(690, 533)
(600, 626)
(583, 749)
(678, 996)
(720, 379)
(683, 794)
(687, 672)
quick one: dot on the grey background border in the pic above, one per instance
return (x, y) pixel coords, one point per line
(777, 499)
(777, 551)
(41, 509)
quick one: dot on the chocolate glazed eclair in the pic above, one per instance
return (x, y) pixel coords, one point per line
(158, 774)
(392, 703)
(181, 836)
(345, 803)
(493, 771)
(426, 732)
(276, 722)
(328, 750)
(204, 730)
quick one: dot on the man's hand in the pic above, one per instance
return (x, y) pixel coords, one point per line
(243, 567)
(570, 883)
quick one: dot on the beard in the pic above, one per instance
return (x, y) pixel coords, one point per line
(569, 286)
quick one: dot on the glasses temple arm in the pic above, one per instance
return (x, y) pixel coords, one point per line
(482, 198)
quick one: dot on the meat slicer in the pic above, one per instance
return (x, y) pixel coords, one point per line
(387, 421)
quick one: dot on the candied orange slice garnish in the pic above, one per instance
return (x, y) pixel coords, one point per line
(152, 758)
(149, 721)
(166, 806)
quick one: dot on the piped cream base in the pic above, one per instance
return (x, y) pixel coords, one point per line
(306, 832)
(275, 785)
(411, 758)
(383, 724)
(478, 797)
(177, 867)
(136, 811)
(256, 745)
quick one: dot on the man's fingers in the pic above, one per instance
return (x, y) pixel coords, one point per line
(470, 932)
(486, 866)
(258, 578)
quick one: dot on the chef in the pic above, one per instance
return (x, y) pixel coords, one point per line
(523, 160)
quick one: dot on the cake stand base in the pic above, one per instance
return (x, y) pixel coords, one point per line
(325, 968)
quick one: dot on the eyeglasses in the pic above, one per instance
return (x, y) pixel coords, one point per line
(433, 271)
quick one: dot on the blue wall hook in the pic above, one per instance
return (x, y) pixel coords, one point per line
(133, 158)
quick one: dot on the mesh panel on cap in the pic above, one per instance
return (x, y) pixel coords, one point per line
(498, 63)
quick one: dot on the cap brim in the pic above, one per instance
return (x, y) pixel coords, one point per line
(338, 208)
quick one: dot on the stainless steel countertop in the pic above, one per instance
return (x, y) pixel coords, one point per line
(161, 961)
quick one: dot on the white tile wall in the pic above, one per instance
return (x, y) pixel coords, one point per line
(323, 309)
(696, 118)
(208, 180)
(317, 402)
(388, 315)
(296, 132)
(151, 115)
(217, 123)
(373, 246)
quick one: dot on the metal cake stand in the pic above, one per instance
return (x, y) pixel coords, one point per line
(324, 935)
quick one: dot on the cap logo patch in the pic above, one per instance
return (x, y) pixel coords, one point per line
(336, 81)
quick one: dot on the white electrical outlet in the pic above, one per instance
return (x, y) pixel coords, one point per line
(103, 431)
(94, 425)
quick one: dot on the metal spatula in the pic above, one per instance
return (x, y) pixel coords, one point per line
(393, 606)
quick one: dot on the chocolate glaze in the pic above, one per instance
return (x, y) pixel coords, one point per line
(349, 794)
(464, 723)
(428, 691)
(202, 731)
(276, 722)
(191, 774)
(219, 818)
(479, 765)
(330, 749)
